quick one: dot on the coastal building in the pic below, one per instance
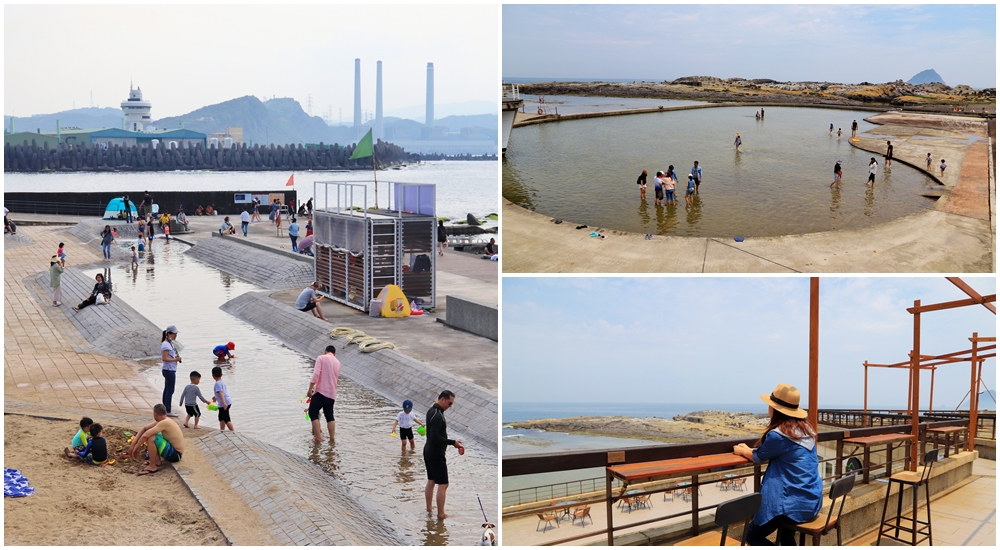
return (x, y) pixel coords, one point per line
(22, 138)
(137, 110)
(234, 133)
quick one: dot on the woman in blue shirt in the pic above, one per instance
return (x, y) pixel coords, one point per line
(792, 490)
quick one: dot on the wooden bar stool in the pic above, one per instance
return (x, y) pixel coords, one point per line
(731, 511)
(820, 526)
(915, 480)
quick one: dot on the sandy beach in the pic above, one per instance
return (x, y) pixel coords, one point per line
(79, 504)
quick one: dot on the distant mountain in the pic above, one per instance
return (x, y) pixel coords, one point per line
(88, 118)
(924, 77)
(456, 123)
(441, 110)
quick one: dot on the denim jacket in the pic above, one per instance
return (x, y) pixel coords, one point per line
(792, 486)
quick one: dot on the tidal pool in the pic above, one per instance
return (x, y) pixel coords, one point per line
(584, 171)
(267, 380)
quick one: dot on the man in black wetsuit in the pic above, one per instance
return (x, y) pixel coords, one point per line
(434, 452)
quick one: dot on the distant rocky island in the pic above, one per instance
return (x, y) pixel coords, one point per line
(764, 90)
(685, 428)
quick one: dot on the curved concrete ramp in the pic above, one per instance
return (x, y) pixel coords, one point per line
(296, 501)
(388, 372)
(259, 266)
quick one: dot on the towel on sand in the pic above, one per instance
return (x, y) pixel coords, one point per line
(15, 484)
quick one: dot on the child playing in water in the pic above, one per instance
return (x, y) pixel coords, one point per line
(223, 352)
(689, 197)
(658, 188)
(220, 395)
(189, 399)
(943, 166)
(929, 162)
(669, 183)
(405, 422)
(135, 259)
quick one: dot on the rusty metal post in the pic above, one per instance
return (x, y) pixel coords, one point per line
(814, 352)
(915, 376)
(930, 405)
(611, 509)
(973, 394)
(864, 418)
(909, 389)
(694, 504)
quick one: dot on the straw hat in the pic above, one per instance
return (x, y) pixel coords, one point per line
(785, 398)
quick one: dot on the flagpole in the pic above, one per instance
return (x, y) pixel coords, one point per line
(375, 175)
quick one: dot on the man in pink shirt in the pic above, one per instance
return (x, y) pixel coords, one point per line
(322, 392)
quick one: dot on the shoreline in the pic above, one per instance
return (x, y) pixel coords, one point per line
(886, 95)
(682, 428)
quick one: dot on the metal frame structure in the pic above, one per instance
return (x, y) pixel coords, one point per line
(361, 249)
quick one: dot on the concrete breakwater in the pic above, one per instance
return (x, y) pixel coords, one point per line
(388, 372)
(30, 157)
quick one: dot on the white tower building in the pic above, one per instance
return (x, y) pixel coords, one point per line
(136, 110)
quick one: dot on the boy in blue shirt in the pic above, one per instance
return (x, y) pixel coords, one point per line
(96, 452)
(223, 353)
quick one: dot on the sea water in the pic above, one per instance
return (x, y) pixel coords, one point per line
(585, 171)
(463, 187)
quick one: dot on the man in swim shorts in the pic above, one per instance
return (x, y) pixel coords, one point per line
(162, 439)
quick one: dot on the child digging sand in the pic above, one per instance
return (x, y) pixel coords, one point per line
(96, 452)
(80, 439)
(220, 395)
(405, 422)
(189, 399)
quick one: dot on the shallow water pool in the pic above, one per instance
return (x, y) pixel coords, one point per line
(585, 171)
(266, 382)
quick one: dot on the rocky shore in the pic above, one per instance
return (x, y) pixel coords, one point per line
(763, 90)
(686, 428)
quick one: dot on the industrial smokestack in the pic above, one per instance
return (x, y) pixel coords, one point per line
(429, 118)
(378, 100)
(357, 96)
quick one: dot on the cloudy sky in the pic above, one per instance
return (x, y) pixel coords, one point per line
(839, 43)
(719, 340)
(186, 57)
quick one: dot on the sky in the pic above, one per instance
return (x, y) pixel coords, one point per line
(836, 43)
(187, 57)
(727, 340)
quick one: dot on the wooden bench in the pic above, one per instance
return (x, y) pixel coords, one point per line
(872, 440)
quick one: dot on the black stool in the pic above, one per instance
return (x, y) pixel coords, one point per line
(915, 480)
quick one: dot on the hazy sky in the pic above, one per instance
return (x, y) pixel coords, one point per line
(718, 340)
(186, 57)
(839, 43)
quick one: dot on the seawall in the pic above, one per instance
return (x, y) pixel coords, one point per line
(388, 372)
(254, 263)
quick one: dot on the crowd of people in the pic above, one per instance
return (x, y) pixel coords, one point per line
(665, 184)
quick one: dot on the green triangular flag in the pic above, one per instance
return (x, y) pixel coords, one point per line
(364, 148)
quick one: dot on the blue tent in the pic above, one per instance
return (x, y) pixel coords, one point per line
(117, 207)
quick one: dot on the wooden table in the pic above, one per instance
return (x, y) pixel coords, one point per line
(651, 471)
(947, 432)
(872, 440)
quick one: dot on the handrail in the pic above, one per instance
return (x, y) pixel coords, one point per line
(552, 462)
(63, 208)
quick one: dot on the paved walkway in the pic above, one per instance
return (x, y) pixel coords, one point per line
(966, 516)
(955, 235)
(47, 360)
